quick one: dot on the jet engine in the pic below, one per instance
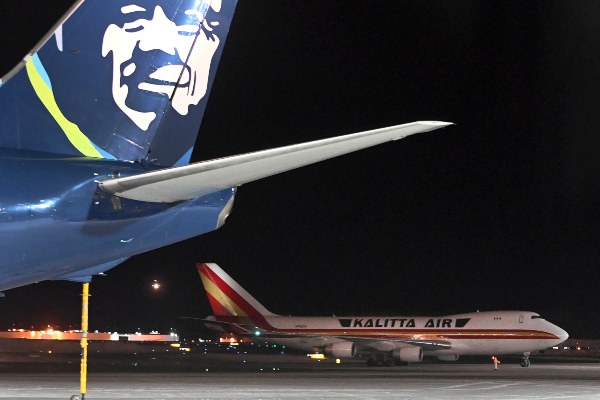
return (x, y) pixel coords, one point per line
(408, 354)
(447, 357)
(341, 349)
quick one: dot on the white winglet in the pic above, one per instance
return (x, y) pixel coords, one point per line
(199, 179)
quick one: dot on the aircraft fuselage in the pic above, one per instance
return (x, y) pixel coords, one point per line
(488, 332)
(56, 223)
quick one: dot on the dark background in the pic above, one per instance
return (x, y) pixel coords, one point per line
(497, 212)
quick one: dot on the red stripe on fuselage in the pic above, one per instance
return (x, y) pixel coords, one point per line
(426, 334)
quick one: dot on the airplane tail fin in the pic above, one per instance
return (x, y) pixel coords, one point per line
(118, 80)
(229, 301)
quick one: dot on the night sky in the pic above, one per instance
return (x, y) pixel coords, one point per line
(499, 211)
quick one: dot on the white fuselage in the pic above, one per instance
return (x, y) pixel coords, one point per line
(479, 333)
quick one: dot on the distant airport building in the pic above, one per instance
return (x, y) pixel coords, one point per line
(52, 334)
(52, 342)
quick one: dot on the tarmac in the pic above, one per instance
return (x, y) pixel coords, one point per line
(272, 379)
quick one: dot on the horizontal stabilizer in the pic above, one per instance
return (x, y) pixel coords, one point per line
(229, 327)
(199, 179)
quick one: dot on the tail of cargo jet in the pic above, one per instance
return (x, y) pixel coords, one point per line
(229, 301)
(120, 79)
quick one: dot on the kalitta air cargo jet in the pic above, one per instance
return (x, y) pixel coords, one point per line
(97, 127)
(386, 340)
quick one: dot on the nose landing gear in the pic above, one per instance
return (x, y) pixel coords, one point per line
(525, 360)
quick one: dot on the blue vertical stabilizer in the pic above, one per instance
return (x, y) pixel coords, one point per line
(118, 80)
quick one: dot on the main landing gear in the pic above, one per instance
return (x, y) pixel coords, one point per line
(525, 360)
(380, 360)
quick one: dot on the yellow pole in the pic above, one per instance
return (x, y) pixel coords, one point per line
(84, 340)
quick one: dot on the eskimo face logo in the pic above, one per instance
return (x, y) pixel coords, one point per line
(152, 30)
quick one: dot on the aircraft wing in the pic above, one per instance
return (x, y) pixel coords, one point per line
(380, 344)
(198, 179)
(389, 344)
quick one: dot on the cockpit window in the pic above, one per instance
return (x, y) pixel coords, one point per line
(536, 317)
